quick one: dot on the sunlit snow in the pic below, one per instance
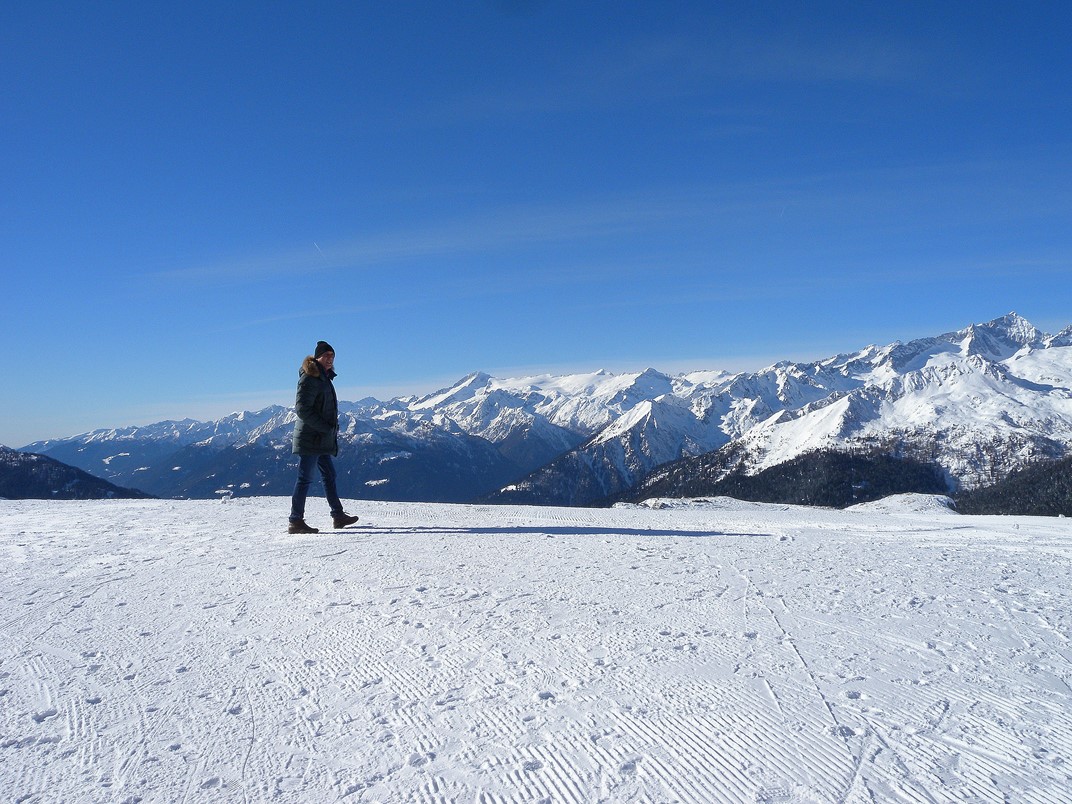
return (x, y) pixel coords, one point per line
(699, 651)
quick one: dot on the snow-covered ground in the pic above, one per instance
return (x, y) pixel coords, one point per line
(721, 652)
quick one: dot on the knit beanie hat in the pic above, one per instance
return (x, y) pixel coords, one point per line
(321, 347)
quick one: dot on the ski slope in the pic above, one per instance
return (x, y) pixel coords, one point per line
(702, 652)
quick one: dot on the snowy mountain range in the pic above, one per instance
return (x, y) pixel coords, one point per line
(979, 403)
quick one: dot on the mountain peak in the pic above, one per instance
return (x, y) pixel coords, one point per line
(1016, 328)
(466, 388)
(1062, 338)
(999, 339)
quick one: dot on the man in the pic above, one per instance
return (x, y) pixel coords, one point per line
(316, 437)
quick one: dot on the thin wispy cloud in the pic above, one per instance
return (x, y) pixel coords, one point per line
(896, 200)
(487, 233)
(655, 69)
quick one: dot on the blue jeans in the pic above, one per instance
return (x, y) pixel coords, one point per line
(305, 478)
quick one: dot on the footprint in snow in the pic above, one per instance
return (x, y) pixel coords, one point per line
(419, 760)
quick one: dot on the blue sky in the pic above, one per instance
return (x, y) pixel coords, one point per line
(192, 194)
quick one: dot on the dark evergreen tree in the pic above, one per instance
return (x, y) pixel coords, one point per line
(825, 478)
(1039, 490)
(26, 476)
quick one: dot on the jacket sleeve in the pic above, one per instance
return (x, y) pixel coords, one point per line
(307, 409)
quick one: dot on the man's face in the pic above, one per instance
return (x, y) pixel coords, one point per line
(327, 360)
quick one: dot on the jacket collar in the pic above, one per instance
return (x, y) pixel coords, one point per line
(311, 368)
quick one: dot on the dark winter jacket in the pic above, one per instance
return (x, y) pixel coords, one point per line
(317, 408)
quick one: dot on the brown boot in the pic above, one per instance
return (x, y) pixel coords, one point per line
(301, 527)
(342, 520)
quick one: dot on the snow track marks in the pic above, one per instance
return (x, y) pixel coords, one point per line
(456, 653)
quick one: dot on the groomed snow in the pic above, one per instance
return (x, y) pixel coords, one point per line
(712, 652)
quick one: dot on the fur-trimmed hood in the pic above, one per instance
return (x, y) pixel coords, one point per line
(310, 367)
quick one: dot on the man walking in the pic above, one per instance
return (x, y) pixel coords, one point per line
(316, 437)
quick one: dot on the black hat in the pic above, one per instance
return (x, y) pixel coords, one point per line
(321, 347)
